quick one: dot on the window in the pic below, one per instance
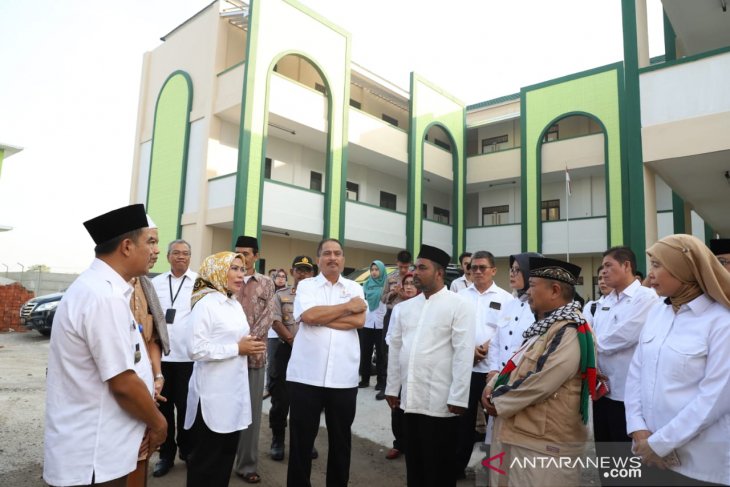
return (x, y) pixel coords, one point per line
(440, 215)
(390, 120)
(355, 104)
(353, 191)
(492, 144)
(550, 210)
(267, 168)
(315, 181)
(442, 144)
(552, 134)
(425, 210)
(387, 200)
(494, 215)
(321, 88)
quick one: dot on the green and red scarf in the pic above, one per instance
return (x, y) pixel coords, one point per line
(569, 312)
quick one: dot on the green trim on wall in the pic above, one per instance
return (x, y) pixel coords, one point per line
(452, 120)
(525, 233)
(335, 73)
(169, 157)
(670, 39)
(686, 59)
(243, 201)
(231, 68)
(631, 121)
(680, 225)
(593, 93)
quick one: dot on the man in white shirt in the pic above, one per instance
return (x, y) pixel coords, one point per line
(324, 365)
(487, 299)
(617, 325)
(462, 282)
(430, 360)
(174, 289)
(97, 406)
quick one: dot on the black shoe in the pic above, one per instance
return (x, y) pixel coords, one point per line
(380, 386)
(380, 395)
(183, 457)
(363, 384)
(315, 453)
(277, 449)
(162, 467)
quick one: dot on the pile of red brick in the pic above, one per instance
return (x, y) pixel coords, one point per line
(12, 297)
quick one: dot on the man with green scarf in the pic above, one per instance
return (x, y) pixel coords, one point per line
(371, 335)
(541, 397)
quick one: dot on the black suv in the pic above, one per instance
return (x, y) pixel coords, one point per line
(37, 314)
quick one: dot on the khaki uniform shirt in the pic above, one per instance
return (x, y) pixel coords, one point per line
(540, 409)
(284, 309)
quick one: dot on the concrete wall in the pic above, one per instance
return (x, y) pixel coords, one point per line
(42, 283)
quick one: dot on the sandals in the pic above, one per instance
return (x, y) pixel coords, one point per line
(250, 478)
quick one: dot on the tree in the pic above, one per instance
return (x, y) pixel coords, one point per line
(39, 268)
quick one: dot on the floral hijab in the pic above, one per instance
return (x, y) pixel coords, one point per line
(213, 275)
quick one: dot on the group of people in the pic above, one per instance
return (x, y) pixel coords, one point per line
(180, 362)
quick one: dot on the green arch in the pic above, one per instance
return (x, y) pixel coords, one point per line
(169, 155)
(265, 46)
(606, 168)
(597, 93)
(430, 105)
(458, 229)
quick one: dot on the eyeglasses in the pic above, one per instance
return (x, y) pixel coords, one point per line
(281, 276)
(723, 261)
(514, 270)
(481, 268)
(183, 253)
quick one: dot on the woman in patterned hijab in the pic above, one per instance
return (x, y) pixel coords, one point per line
(218, 405)
(213, 275)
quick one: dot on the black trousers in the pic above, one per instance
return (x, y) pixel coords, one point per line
(278, 390)
(609, 429)
(397, 424)
(431, 450)
(467, 421)
(307, 403)
(210, 461)
(369, 338)
(175, 389)
(386, 325)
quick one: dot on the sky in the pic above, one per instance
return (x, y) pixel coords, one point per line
(70, 79)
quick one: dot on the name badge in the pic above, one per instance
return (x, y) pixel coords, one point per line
(137, 354)
(495, 305)
(605, 308)
(170, 316)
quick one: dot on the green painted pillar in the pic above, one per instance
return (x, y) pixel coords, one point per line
(635, 236)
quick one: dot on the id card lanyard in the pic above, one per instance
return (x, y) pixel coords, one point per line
(169, 281)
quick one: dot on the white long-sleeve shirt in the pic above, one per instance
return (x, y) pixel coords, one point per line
(431, 353)
(220, 375)
(617, 325)
(515, 318)
(487, 306)
(678, 387)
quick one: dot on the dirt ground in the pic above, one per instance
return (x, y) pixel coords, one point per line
(23, 361)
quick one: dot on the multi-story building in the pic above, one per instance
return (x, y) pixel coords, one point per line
(253, 119)
(5, 152)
